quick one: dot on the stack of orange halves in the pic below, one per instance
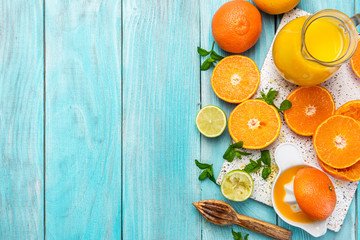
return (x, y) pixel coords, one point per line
(336, 134)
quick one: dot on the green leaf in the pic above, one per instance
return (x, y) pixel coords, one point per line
(211, 60)
(202, 52)
(244, 153)
(211, 173)
(285, 105)
(238, 236)
(237, 145)
(212, 178)
(216, 56)
(272, 94)
(206, 65)
(203, 175)
(229, 154)
(210, 170)
(238, 155)
(201, 165)
(265, 157)
(253, 166)
(263, 95)
(246, 237)
(266, 172)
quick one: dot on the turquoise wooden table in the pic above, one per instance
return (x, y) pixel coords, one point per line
(97, 107)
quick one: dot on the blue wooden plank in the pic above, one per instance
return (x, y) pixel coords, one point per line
(21, 120)
(213, 149)
(83, 119)
(348, 229)
(161, 95)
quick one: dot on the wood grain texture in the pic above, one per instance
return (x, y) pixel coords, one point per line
(348, 229)
(212, 150)
(21, 119)
(161, 96)
(83, 119)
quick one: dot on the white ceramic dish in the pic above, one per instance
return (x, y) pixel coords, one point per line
(288, 155)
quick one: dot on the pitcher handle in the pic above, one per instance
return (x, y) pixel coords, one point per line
(356, 19)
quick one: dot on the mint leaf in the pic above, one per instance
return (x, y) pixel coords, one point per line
(237, 145)
(211, 174)
(244, 153)
(203, 175)
(285, 105)
(238, 236)
(207, 173)
(216, 56)
(229, 154)
(206, 65)
(202, 52)
(266, 172)
(253, 166)
(270, 97)
(265, 157)
(201, 165)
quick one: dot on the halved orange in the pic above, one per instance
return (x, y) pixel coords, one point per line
(310, 107)
(255, 123)
(337, 141)
(351, 173)
(355, 61)
(235, 79)
(350, 109)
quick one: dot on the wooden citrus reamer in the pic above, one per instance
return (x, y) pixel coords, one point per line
(221, 213)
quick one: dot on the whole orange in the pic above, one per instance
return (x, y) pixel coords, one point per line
(276, 6)
(314, 193)
(236, 26)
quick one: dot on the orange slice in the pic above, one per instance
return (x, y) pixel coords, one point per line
(337, 141)
(235, 79)
(310, 107)
(355, 61)
(350, 109)
(255, 123)
(351, 173)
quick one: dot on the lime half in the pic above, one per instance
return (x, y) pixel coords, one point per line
(211, 121)
(237, 185)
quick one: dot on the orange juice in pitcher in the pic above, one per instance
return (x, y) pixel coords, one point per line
(310, 49)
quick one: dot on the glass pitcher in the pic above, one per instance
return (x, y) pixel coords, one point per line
(310, 49)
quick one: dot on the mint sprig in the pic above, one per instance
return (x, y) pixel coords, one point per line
(209, 62)
(238, 236)
(232, 151)
(270, 97)
(263, 161)
(208, 171)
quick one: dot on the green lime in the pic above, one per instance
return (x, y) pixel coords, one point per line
(211, 121)
(237, 185)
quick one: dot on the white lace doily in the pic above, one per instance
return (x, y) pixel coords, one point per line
(344, 86)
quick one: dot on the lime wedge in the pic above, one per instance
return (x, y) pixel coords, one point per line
(237, 185)
(211, 121)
